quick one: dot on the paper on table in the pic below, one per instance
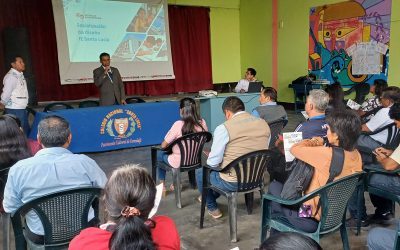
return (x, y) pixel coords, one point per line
(157, 200)
(289, 139)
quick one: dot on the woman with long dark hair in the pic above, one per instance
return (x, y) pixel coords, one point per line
(13, 147)
(129, 197)
(190, 122)
(374, 101)
(336, 97)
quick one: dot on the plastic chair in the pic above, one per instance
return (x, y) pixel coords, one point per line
(249, 169)
(56, 106)
(392, 141)
(384, 193)
(63, 215)
(276, 128)
(333, 200)
(365, 117)
(89, 104)
(191, 148)
(131, 100)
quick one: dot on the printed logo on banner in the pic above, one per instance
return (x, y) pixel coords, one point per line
(120, 124)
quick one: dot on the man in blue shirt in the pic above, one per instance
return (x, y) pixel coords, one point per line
(316, 104)
(54, 168)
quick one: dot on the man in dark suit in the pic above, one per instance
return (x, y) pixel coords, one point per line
(109, 81)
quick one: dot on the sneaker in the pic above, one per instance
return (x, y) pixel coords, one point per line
(352, 223)
(385, 218)
(215, 213)
(199, 198)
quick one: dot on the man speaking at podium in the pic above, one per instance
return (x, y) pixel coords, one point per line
(109, 81)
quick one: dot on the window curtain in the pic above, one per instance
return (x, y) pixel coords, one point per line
(190, 47)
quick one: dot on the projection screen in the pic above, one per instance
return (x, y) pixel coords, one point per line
(134, 33)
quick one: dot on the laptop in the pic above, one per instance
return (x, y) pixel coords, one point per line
(255, 87)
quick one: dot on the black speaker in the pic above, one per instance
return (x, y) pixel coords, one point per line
(16, 42)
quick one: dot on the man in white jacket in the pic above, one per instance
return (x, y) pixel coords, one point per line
(14, 97)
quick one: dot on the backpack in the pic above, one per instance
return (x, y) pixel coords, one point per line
(301, 174)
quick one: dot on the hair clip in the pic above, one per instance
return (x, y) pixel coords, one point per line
(130, 212)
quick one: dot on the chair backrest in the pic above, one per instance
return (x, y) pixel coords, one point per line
(365, 117)
(276, 128)
(393, 136)
(63, 214)
(89, 104)
(333, 199)
(56, 106)
(131, 100)
(191, 148)
(250, 169)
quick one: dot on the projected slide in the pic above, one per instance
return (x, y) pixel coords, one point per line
(135, 34)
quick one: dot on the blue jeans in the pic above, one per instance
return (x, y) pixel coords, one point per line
(391, 183)
(162, 157)
(217, 181)
(22, 115)
(381, 238)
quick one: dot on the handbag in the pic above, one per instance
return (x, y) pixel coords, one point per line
(301, 174)
(298, 180)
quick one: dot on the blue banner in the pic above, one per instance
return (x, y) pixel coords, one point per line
(115, 127)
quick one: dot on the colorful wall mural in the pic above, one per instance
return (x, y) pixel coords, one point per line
(335, 28)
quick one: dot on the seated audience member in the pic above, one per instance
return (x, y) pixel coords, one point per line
(336, 97)
(243, 84)
(268, 109)
(370, 142)
(129, 197)
(343, 129)
(33, 145)
(190, 122)
(13, 147)
(289, 241)
(380, 238)
(240, 134)
(316, 104)
(374, 101)
(54, 168)
(388, 160)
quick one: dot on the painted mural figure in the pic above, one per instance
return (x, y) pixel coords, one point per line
(335, 28)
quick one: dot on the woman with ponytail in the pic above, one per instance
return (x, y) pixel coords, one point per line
(128, 198)
(190, 122)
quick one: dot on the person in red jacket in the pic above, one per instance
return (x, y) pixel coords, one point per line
(129, 197)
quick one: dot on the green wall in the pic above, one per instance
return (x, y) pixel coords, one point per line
(225, 37)
(293, 19)
(241, 37)
(256, 38)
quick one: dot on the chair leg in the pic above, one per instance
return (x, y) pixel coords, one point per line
(203, 205)
(192, 179)
(249, 198)
(343, 234)
(153, 164)
(176, 175)
(5, 219)
(264, 219)
(232, 203)
(360, 193)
